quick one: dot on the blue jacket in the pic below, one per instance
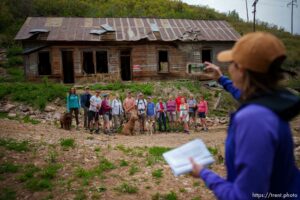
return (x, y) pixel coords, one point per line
(73, 102)
(260, 161)
(150, 109)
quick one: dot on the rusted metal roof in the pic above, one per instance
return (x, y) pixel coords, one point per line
(128, 29)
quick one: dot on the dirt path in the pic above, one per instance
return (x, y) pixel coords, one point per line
(51, 134)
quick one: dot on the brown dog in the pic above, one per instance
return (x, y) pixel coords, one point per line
(129, 126)
(66, 121)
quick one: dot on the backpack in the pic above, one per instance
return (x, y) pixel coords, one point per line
(141, 111)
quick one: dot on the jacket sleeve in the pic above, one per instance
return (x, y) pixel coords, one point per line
(229, 87)
(254, 154)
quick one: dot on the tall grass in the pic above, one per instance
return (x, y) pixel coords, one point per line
(34, 94)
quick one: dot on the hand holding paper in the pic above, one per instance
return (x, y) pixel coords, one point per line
(179, 158)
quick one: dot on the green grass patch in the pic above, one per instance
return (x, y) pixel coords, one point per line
(12, 144)
(196, 198)
(34, 94)
(87, 174)
(8, 167)
(52, 156)
(27, 119)
(28, 172)
(7, 194)
(105, 165)
(80, 195)
(213, 150)
(155, 155)
(170, 196)
(38, 184)
(145, 88)
(50, 171)
(123, 163)
(67, 143)
(196, 184)
(37, 179)
(158, 173)
(127, 188)
(133, 170)
(97, 149)
(83, 173)
(158, 151)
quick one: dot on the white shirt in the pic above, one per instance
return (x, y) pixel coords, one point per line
(94, 103)
(117, 108)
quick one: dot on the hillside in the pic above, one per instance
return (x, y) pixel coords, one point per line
(14, 12)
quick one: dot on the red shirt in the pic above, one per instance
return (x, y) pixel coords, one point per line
(178, 102)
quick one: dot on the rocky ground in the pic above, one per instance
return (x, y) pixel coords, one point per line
(131, 167)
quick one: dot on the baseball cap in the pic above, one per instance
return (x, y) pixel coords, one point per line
(254, 51)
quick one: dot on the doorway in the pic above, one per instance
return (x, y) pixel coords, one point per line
(125, 65)
(68, 67)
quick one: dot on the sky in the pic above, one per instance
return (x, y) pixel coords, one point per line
(272, 11)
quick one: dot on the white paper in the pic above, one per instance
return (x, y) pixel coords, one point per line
(179, 158)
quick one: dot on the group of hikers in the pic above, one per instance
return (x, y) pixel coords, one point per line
(170, 114)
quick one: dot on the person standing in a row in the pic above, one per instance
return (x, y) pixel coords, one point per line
(95, 105)
(117, 112)
(129, 106)
(85, 104)
(73, 105)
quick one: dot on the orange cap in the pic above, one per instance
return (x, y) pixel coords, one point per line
(254, 51)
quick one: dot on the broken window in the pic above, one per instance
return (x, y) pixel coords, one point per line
(101, 62)
(163, 64)
(206, 55)
(88, 63)
(44, 66)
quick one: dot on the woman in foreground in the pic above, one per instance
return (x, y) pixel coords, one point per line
(259, 146)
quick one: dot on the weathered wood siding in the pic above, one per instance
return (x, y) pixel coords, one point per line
(143, 54)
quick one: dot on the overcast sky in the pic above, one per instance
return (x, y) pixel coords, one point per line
(271, 11)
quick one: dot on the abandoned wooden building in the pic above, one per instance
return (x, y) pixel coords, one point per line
(74, 50)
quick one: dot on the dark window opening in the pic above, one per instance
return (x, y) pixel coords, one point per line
(206, 55)
(44, 65)
(163, 65)
(101, 62)
(88, 63)
(125, 65)
(68, 68)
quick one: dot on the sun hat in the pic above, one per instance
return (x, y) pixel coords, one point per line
(254, 51)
